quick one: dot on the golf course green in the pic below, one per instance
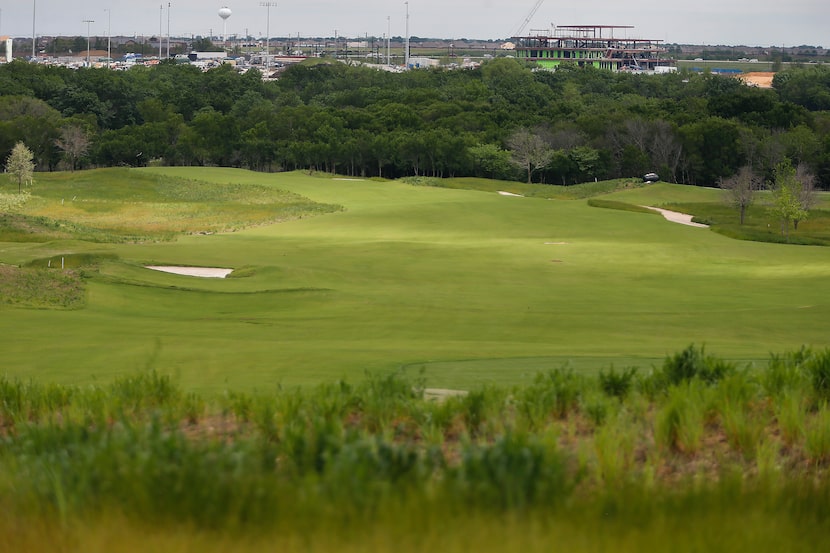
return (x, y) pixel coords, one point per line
(472, 287)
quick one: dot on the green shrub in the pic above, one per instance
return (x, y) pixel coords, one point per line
(617, 384)
(692, 363)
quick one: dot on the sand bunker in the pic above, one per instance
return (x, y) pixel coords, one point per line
(202, 272)
(677, 217)
(504, 193)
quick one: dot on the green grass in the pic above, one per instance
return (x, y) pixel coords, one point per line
(473, 286)
(548, 191)
(366, 465)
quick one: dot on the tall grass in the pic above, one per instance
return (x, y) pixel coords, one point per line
(343, 456)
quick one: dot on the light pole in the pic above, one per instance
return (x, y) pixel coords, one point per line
(388, 39)
(169, 5)
(268, 5)
(34, 36)
(109, 36)
(161, 16)
(87, 21)
(406, 47)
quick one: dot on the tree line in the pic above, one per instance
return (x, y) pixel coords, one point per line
(502, 120)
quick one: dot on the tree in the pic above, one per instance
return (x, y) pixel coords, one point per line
(74, 143)
(786, 197)
(529, 151)
(19, 165)
(740, 189)
(806, 190)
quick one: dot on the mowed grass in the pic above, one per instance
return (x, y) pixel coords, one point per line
(472, 286)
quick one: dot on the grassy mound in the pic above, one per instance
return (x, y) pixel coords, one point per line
(118, 205)
(41, 288)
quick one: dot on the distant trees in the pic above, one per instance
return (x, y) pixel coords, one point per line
(565, 127)
(19, 165)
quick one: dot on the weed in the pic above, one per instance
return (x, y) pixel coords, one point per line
(817, 436)
(785, 372)
(791, 416)
(818, 367)
(679, 423)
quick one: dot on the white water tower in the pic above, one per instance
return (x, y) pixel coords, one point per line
(225, 12)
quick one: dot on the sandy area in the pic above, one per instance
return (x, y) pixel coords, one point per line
(761, 79)
(676, 217)
(503, 193)
(202, 272)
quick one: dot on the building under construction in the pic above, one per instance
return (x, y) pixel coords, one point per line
(593, 45)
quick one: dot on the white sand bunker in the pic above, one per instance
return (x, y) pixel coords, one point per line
(202, 272)
(505, 193)
(677, 217)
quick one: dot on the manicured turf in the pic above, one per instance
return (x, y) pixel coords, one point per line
(450, 280)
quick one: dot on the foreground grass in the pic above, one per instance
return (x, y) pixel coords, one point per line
(626, 461)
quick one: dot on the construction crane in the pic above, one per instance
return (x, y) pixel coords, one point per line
(521, 28)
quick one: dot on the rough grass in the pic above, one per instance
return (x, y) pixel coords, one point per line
(355, 467)
(759, 225)
(41, 288)
(117, 205)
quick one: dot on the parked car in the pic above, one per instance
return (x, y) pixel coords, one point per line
(651, 177)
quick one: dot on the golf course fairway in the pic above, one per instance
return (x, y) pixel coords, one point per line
(472, 287)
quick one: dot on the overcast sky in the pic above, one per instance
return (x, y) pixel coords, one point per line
(730, 22)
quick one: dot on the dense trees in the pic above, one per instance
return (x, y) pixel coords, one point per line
(696, 129)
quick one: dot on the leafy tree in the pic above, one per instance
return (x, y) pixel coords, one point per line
(19, 165)
(491, 161)
(786, 202)
(740, 189)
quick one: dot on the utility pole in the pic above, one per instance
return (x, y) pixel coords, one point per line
(87, 21)
(388, 39)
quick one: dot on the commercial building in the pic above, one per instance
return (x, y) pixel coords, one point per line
(599, 46)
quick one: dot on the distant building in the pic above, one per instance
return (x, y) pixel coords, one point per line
(592, 45)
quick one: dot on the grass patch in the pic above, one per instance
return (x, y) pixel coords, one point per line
(547, 191)
(120, 205)
(41, 288)
(621, 206)
(758, 225)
